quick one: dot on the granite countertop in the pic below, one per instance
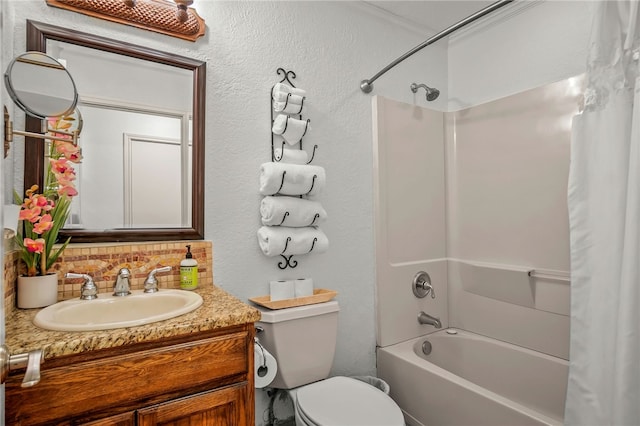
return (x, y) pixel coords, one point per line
(219, 309)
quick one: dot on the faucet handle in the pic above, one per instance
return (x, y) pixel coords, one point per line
(88, 291)
(151, 283)
(422, 286)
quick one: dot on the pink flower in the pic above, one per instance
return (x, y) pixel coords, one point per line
(42, 202)
(30, 214)
(63, 181)
(34, 246)
(58, 123)
(31, 190)
(71, 152)
(60, 166)
(68, 190)
(61, 123)
(43, 225)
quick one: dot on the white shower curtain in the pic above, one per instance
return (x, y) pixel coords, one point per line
(604, 212)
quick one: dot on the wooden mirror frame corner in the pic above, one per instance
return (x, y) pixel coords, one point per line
(37, 35)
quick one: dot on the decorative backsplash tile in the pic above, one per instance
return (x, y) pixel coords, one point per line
(102, 261)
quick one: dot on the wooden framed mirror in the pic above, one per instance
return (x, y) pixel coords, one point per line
(41, 37)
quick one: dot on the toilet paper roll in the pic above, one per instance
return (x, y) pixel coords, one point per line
(265, 367)
(281, 290)
(303, 287)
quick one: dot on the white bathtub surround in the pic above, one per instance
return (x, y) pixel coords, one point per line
(501, 384)
(604, 206)
(506, 165)
(477, 308)
(409, 217)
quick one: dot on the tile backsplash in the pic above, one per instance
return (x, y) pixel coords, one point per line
(102, 261)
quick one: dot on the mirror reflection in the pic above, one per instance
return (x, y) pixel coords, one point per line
(137, 118)
(40, 85)
(142, 141)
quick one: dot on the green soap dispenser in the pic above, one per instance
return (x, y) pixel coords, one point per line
(188, 271)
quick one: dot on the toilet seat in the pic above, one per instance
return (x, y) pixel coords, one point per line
(346, 401)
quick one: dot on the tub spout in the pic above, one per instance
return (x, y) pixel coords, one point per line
(424, 318)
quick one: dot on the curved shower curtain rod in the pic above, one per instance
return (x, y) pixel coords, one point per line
(367, 85)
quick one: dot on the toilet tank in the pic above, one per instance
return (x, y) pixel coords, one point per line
(302, 340)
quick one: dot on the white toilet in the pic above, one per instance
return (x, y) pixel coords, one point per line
(303, 342)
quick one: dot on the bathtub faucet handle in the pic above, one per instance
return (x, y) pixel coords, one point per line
(422, 286)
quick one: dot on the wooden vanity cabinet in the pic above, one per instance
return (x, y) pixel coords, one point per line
(202, 379)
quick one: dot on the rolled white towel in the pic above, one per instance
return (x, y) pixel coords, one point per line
(291, 129)
(288, 97)
(276, 240)
(291, 179)
(288, 107)
(282, 88)
(291, 211)
(291, 156)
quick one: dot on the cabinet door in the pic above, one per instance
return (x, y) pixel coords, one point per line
(221, 407)
(126, 419)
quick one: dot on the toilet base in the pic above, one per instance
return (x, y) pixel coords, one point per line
(289, 397)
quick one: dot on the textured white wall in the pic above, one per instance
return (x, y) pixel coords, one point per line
(331, 46)
(524, 45)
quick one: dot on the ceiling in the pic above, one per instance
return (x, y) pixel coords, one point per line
(432, 16)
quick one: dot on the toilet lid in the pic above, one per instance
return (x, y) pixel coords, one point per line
(345, 401)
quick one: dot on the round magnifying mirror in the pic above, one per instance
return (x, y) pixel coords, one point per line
(41, 86)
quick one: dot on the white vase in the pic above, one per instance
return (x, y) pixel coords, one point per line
(37, 292)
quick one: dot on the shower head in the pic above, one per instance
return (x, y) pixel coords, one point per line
(432, 92)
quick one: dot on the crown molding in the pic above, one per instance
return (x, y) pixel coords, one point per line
(494, 18)
(373, 10)
(503, 14)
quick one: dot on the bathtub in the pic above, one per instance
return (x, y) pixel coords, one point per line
(470, 379)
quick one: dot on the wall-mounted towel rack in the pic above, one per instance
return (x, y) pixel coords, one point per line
(287, 76)
(297, 126)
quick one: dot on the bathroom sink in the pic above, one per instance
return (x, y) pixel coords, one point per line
(108, 311)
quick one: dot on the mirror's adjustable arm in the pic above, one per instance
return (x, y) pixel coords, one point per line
(9, 132)
(73, 140)
(31, 361)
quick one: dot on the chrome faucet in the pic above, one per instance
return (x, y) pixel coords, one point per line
(88, 291)
(122, 286)
(424, 318)
(151, 283)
